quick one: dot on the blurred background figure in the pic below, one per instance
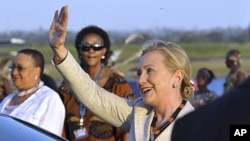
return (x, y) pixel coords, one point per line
(5, 85)
(33, 101)
(93, 47)
(203, 95)
(236, 74)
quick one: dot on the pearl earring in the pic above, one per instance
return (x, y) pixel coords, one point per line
(103, 57)
(174, 85)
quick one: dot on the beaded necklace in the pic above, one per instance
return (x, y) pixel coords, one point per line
(154, 133)
(31, 90)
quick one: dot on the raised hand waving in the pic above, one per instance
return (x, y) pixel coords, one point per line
(58, 33)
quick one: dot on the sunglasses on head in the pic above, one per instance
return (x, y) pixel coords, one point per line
(95, 47)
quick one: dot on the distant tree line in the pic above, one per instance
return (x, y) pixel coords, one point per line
(215, 35)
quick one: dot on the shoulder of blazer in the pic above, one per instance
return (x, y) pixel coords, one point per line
(139, 104)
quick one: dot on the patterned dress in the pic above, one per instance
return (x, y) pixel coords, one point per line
(97, 129)
(200, 99)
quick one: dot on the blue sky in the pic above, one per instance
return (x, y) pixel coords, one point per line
(31, 15)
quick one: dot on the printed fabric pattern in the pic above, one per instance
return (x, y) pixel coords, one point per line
(97, 129)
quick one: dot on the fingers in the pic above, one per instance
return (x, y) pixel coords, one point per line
(63, 17)
(52, 26)
(55, 16)
(58, 28)
(60, 21)
(57, 34)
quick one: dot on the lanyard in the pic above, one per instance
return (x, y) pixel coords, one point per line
(82, 108)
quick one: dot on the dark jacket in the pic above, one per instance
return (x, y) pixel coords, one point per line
(212, 121)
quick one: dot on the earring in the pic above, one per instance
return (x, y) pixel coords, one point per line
(174, 85)
(35, 77)
(103, 57)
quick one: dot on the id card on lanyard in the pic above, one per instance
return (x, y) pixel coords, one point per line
(82, 132)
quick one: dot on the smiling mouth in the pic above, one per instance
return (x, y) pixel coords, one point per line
(145, 90)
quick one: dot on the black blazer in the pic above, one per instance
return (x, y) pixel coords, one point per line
(212, 122)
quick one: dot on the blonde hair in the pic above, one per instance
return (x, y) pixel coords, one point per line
(175, 59)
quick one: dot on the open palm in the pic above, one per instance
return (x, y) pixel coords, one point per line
(58, 28)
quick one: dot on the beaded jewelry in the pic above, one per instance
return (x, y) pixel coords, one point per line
(154, 133)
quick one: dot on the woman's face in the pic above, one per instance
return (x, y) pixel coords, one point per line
(92, 57)
(201, 80)
(23, 72)
(155, 80)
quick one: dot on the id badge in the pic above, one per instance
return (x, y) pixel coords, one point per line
(81, 133)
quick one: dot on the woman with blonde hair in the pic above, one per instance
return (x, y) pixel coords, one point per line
(163, 72)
